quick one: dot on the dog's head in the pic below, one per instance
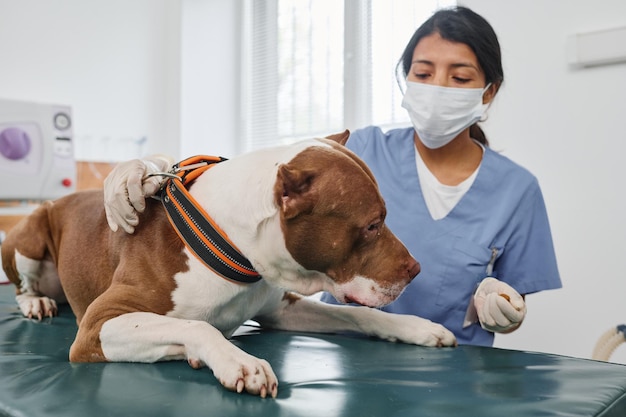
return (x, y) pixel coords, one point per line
(333, 219)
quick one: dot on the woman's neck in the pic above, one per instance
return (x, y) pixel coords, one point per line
(453, 163)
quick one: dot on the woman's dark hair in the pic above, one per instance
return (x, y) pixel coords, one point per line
(460, 24)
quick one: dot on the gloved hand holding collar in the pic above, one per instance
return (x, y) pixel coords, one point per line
(127, 187)
(499, 307)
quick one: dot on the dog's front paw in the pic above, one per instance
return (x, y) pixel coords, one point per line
(36, 306)
(428, 333)
(419, 331)
(242, 372)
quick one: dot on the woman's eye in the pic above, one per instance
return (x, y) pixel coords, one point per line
(421, 76)
(462, 80)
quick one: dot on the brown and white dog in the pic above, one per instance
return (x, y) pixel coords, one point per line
(308, 217)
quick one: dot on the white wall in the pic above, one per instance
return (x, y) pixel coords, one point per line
(166, 70)
(116, 62)
(567, 127)
(210, 93)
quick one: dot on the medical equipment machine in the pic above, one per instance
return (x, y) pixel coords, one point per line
(36, 151)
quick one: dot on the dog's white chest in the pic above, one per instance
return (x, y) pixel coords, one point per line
(200, 294)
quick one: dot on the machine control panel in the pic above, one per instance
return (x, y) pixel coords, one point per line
(36, 151)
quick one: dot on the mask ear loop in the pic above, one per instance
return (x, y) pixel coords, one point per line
(485, 90)
(483, 118)
(400, 79)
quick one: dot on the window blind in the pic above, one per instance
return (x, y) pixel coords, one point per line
(315, 67)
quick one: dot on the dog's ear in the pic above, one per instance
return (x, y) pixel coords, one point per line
(340, 138)
(293, 190)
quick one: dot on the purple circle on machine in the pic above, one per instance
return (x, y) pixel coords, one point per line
(14, 143)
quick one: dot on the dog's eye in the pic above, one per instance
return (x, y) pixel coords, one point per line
(370, 233)
(374, 227)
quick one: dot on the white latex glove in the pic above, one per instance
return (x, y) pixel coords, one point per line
(127, 187)
(499, 307)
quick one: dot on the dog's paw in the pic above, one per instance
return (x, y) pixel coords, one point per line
(437, 335)
(423, 332)
(243, 372)
(434, 334)
(34, 306)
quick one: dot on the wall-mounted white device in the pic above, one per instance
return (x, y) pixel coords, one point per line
(602, 47)
(36, 151)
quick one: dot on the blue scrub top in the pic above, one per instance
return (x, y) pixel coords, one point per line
(503, 209)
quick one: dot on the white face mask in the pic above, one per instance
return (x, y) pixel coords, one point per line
(439, 114)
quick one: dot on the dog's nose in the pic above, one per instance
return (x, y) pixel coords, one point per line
(413, 269)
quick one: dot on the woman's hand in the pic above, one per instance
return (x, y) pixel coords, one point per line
(500, 308)
(126, 188)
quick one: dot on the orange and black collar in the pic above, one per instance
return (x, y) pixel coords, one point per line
(196, 228)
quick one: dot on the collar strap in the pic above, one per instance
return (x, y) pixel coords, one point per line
(196, 228)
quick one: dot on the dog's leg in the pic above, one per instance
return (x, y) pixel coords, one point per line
(303, 314)
(148, 337)
(25, 260)
(41, 288)
(31, 301)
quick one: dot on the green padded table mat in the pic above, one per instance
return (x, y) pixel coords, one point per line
(320, 375)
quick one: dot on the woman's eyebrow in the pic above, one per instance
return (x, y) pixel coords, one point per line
(455, 65)
(464, 65)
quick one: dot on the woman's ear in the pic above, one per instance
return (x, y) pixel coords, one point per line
(491, 92)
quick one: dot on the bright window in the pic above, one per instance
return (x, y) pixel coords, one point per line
(314, 67)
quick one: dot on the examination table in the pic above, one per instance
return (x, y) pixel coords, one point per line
(320, 375)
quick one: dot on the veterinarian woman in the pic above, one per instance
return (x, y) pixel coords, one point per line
(474, 219)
